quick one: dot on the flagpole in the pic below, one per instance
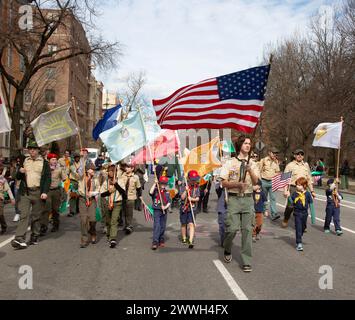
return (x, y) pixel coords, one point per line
(188, 192)
(151, 157)
(338, 160)
(221, 155)
(77, 122)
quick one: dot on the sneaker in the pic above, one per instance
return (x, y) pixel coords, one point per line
(326, 231)
(71, 214)
(19, 244)
(339, 232)
(305, 230)
(33, 241)
(258, 237)
(275, 217)
(161, 245)
(254, 238)
(43, 231)
(247, 268)
(191, 244)
(113, 244)
(93, 239)
(184, 241)
(104, 230)
(154, 247)
(129, 230)
(54, 229)
(227, 257)
(299, 247)
(16, 218)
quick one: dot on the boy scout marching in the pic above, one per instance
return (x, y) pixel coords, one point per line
(113, 191)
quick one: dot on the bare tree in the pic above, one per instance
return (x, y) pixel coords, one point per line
(30, 45)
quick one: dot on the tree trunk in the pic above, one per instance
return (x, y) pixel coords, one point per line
(16, 117)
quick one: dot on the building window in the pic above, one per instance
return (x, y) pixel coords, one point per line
(51, 72)
(28, 96)
(22, 64)
(50, 96)
(52, 48)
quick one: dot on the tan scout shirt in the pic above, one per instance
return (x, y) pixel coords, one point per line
(269, 168)
(95, 186)
(33, 171)
(133, 185)
(115, 196)
(4, 187)
(231, 172)
(300, 169)
(58, 175)
(73, 175)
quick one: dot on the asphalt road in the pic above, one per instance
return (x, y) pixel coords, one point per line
(61, 270)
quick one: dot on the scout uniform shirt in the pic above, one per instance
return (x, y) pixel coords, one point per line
(4, 187)
(299, 169)
(115, 196)
(33, 171)
(131, 185)
(65, 164)
(269, 168)
(58, 175)
(231, 172)
(94, 186)
(74, 171)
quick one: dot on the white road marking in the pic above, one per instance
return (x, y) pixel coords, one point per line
(4, 243)
(238, 292)
(341, 202)
(343, 228)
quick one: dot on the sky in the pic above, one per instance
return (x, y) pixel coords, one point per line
(179, 42)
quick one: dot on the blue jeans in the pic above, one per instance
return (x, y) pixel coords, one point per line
(267, 188)
(159, 226)
(221, 219)
(300, 224)
(332, 212)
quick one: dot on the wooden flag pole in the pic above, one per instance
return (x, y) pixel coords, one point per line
(77, 122)
(338, 159)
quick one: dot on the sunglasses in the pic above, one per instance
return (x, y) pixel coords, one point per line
(300, 154)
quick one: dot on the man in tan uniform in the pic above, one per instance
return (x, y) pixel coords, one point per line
(299, 169)
(269, 168)
(240, 205)
(35, 179)
(58, 175)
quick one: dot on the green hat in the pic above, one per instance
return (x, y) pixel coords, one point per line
(298, 151)
(274, 150)
(32, 144)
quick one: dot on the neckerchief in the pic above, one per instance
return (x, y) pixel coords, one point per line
(301, 197)
(163, 197)
(192, 191)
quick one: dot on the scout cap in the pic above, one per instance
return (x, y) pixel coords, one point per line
(163, 180)
(52, 156)
(298, 151)
(193, 175)
(274, 150)
(32, 144)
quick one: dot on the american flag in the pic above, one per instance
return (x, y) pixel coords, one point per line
(233, 101)
(281, 180)
(148, 213)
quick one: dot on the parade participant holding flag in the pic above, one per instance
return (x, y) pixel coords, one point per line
(160, 213)
(58, 175)
(189, 200)
(88, 189)
(332, 211)
(239, 177)
(114, 189)
(299, 169)
(74, 179)
(301, 200)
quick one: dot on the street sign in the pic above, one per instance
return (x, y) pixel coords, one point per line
(259, 145)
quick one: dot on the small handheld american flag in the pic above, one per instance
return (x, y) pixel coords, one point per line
(281, 180)
(148, 213)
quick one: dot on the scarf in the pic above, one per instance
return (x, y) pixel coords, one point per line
(301, 197)
(163, 196)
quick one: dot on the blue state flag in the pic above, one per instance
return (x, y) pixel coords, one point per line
(125, 138)
(107, 122)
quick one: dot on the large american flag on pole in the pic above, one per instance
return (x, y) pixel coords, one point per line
(233, 101)
(281, 180)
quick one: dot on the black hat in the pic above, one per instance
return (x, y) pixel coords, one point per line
(76, 155)
(330, 181)
(298, 151)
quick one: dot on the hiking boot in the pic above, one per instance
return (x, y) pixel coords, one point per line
(247, 268)
(33, 240)
(19, 244)
(227, 257)
(113, 244)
